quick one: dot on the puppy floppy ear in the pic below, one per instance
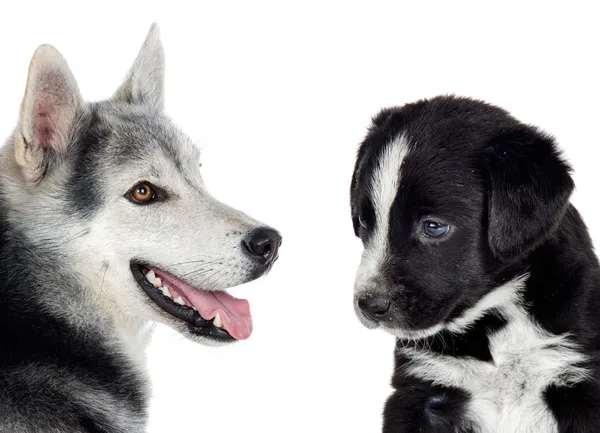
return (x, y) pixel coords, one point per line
(48, 112)
(145, 81)
(529, 189)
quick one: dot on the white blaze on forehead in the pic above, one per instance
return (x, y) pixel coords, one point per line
(385, 182)
(384, 186)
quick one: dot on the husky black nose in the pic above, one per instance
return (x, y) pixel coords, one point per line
(374, 307)
(262, 245)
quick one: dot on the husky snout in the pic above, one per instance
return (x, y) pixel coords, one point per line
(156, 242)
(254, 244)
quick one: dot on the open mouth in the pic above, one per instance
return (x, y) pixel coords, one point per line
(213, 314)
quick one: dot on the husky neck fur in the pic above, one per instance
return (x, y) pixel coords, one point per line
(476, 261)
(106, 227)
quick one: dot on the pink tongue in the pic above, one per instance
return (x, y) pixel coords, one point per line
(235, 313)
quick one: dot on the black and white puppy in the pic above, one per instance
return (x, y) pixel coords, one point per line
(476, 261)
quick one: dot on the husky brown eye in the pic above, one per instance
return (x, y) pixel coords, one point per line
(142, 193)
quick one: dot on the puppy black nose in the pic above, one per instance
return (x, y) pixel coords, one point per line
(374, 306)
(262, 245)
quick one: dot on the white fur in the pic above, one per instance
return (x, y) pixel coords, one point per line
(507, 395)
(384, 187)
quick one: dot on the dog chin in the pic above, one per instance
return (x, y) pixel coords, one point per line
(370, 324)
(400, 333)
(183, 330)
(203, 340)
(414, 334)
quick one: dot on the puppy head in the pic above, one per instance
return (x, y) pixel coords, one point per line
(446, 194)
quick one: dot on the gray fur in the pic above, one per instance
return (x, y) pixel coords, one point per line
(68, 235)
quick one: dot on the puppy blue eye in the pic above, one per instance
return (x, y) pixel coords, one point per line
(434, 229)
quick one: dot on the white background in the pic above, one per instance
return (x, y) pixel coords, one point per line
(278, 96)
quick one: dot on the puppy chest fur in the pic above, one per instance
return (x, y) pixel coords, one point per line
(506, 395)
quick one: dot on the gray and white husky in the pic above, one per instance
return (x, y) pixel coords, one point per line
(105, 227)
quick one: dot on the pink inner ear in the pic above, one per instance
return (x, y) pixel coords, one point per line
(51, 110)
(45, 130)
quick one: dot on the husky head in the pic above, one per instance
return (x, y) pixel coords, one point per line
(449, 197)
(113, 191)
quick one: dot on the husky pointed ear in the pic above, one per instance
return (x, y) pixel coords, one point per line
(145, 81)
(48, 112)
(529, 189)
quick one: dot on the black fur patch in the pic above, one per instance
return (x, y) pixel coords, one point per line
(85, 190)
(504, 188)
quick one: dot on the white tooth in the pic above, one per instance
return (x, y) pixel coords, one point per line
(157, 282)
(217, 321)
(165, 291)
(179, 301)
(194, 308)
(150, 276)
